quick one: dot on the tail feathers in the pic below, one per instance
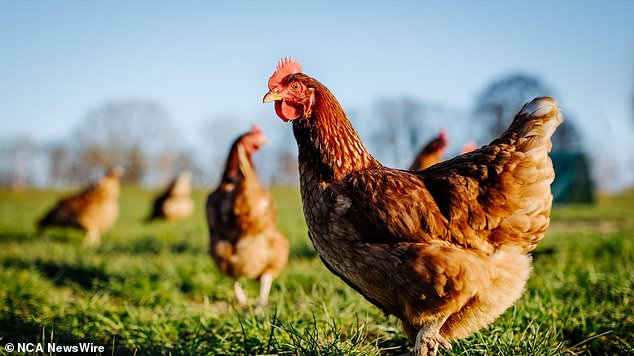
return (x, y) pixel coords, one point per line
(60, 215)
(43, 222)
(48, 220)
(528, 176)
(536, 123)
(156, 214)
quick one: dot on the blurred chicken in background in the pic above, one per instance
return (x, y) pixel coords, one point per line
(244, 239)
(94, 209)
(175, 202)
(431, 153)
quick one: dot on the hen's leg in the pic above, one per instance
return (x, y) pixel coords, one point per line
(265, 288)
(428, 339)
(92, 237)
(241, 295)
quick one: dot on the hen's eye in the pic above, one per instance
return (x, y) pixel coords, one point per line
(295, 86)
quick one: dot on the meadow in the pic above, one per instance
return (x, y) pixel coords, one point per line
(152, 289)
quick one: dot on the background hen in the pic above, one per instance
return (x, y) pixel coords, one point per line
(94, 209)
(175, 203)
(444, 249)
(468, 147)
(244, 240)
(431, 153)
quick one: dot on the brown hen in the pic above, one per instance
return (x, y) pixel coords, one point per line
(431, 153)
(446, 249)
(175, 203)
(244, 240)
(93, 210)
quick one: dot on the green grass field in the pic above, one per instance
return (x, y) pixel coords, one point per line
(152, 289)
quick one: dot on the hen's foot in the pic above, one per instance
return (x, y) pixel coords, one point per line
(241, 295)
(265, 288)
(92, 238)
(427, 344)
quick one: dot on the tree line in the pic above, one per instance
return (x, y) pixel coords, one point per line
(140, 135)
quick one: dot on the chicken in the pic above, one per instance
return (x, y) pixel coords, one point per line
(446, 249)
(94, 209)
(431, 153)
(244, 240)
(175, 203)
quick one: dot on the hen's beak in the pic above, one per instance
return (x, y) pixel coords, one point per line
(271, 96)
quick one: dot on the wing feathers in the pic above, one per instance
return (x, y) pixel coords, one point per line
(496, 195)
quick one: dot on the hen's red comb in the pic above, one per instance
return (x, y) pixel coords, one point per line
(443, 135)
(285, 67)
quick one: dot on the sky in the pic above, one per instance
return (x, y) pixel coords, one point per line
(203, 59)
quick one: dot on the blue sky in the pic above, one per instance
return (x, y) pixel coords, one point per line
(200, 59)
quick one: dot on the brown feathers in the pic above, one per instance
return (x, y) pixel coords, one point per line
(443, 249)
(244, 240)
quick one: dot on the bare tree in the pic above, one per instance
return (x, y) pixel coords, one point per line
(399, 127)
(567, 137)
(502, 99)
(90, 162)
(217, 134)
(21, 163)
(276, 162)
(127, 132)
(171, 164)
(136, 164)
(59, 164)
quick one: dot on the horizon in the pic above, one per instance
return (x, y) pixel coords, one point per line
(208, 62)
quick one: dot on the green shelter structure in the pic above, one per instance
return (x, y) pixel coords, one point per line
(573, 180)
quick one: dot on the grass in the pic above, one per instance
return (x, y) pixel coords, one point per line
(152, 289)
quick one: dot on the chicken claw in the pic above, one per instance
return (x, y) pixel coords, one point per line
(427, 344)
(92, 238)
(241, 295)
